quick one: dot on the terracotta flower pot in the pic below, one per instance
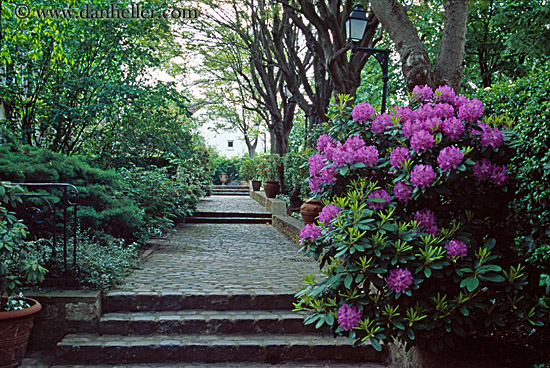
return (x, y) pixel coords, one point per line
(15, 330)
(271, 188)
(256, 184)
(310, 210)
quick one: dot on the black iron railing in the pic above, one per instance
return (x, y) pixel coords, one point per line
(46, 202)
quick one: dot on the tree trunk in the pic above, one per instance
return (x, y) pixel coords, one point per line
(415, 63)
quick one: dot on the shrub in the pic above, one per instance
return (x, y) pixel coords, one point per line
(269, 166)
(413, 240)
(527, 101)
(17, 265)
(296, 171)
(249, 169)
(164, 198)
(230, 166)
(102, 204)
(103, 261)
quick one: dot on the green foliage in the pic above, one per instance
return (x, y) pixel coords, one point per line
(379, 233)
(527, 101)
(102, 260)
(230, 166)
(102, 205)
(165, 197)
(17, 266)
(249, 169)
(297, 170)
(269, 167)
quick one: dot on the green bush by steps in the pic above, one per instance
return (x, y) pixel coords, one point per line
(527, 100)
(103, 206)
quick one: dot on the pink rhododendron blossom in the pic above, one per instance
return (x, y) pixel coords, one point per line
(423, 93)
(445, 93)
(363, 112)
(328, 175)
(328, 213)
(367, 155)
(422, 141)
(432, 124)
(456, 248)
(324, 142)
(402, 191)
(483, 169)
(461, 100)
(427, 220)
(348, 317)
(499, 175)
(315, 184)
(444, 110)
(381, 122)
(354, 143)
(399, 279)
(471, 110)
(310, 232)
(380, 193)
(452, 128)
(426, 111)
(399, 155)
(316, 164)
(422, 176)
(491, 137)
(449, 158)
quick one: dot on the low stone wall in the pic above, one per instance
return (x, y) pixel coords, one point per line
(63, 312)
(289, 226)
(277, 207)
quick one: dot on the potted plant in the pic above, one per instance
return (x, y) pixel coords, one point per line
(269, 170)
(249, 172)
(16, 312)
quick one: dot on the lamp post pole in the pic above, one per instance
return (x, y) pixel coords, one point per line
(356, 25)
(382, 56)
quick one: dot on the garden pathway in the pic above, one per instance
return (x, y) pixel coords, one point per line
(214, 295)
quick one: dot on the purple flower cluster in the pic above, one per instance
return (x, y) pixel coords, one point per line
(310, 232)
(402, 191)
(427, 220)
(445, 93)
(491, 137)
(399, 279)
(348, 317)
(381, 122)
(380, 193)
(423, 93)
(422, 141)
(399, 155)
(470, 110)
(485, 170)
(320, 172)
(449, 158)
(422, 176)
(456, 248)
(452, 127)
(324, 143)
(328, 213)
(363, 112)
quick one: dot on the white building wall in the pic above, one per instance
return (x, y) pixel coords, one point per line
(226, 143)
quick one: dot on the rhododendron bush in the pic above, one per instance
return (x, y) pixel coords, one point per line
(412, 240)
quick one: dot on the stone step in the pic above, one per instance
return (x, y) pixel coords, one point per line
(235, 187)
(128, 301)
(118, 349)
(265, 215)
(227, 193)
(227, 220)
(314, 364)
(203, 321)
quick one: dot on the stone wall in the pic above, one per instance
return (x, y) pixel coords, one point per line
(63, 312)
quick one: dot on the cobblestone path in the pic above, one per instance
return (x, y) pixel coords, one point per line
(224, 258)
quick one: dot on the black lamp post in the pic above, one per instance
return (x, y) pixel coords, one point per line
(356, 25)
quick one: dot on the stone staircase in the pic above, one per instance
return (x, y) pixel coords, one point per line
(232, 190)
(229, 218)
(169, 328)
